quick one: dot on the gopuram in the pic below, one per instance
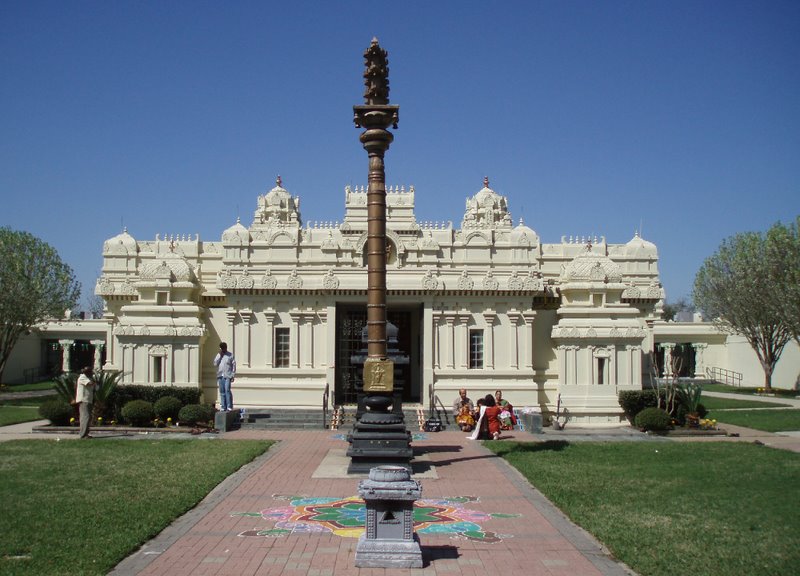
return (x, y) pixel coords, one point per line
(484, 304)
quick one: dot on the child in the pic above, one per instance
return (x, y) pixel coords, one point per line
(465, 419)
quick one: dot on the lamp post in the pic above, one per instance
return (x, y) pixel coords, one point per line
(378, 437)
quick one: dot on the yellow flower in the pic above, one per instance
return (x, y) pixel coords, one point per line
(72, 420)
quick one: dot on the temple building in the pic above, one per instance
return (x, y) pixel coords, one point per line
(483, 306)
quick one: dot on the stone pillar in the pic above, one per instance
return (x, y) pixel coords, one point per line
(488, 349)
(98, 354)
(513, 341)
(699, 363)
(66, 351)
(450, 355)
(528, 316)
(307, 326)
(243, 353)
(231, 316)
(269, 354)
(462, 340)
(667, 359)
(169, 364)
(294, 351)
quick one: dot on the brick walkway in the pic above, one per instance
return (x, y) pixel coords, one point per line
(518, 531)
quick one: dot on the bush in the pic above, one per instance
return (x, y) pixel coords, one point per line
(167, 407)
(57, 411)
(123, 394)
(634, 401)
(654, 419)
(191, 414)
(138, 412)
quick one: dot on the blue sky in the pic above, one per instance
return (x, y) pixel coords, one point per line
(681, 119)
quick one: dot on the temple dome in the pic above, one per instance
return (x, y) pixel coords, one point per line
(486, 209)
(638, 246)
(278, 205)
(236, 234)
(522, 234)
(122, 243)
(591, 266)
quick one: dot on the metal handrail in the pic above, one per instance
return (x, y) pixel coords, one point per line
(325, 400)
(724, 376)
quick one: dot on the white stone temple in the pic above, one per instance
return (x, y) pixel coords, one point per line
(483, 306)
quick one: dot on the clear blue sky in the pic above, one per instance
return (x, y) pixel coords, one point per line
(682, 118)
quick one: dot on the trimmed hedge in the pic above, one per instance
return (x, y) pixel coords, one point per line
(191, 414)
(57, 411)
(634, 401)
(167, 407)
(138, 413)
(654, 419)
(123, 394)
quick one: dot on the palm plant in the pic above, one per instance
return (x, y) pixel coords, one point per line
(64, 385)
(105, 383)
(689, 395)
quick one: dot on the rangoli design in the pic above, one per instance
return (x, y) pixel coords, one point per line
(345, 517)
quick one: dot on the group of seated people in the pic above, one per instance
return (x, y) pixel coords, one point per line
(486, 418)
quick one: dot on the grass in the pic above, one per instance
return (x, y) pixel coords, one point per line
(43, 385)
(80, 507)
(714, 403)
(766, 420)
(711, 387)
(674, 508)
(18, 414)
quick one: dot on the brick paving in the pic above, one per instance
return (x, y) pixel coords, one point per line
(536, 541)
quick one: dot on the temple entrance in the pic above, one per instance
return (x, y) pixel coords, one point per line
(350, 321)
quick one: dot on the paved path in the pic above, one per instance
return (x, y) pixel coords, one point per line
(219, 538)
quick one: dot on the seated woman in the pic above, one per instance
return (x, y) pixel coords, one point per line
(492, 415)
(465, 419)
(507, 418)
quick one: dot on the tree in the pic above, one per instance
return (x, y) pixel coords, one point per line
(733, 288)
(783, 245)
(672, 309)
(34, 285)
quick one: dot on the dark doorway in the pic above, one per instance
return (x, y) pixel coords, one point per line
(350, 321)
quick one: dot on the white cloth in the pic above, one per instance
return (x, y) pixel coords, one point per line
(85, 389)
(226, 365)
(474, 435)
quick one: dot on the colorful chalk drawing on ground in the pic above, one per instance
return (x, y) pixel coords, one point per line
(345, 517)
(415, 436)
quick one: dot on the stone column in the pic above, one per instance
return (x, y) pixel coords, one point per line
(98, 354)
(513, 341)
(699, 363)
(450, 358)
(667, 359)
(307, 326)
(294, 351)
(271, 316)
(231, 316)
(462, 339)
(66, 352)
(488, 355)
(528, 316)
(244, 351)
(169, 363)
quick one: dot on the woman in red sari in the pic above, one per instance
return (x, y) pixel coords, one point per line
(492, 415)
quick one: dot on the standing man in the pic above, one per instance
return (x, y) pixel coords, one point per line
(226, 370)
(84, 397)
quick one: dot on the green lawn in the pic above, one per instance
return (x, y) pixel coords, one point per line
(675, 508)
(80, 507)
(43, 385)
(712, 403)
(17, 414)
(766, 420)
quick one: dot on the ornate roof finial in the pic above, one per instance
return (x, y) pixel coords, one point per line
(279, 182)
(485, 181)
(376, 75)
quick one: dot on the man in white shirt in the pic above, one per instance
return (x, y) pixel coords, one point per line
(226, 370)
(84, 397)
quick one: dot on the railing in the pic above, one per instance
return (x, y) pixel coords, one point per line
(724, 376)
(325, 400)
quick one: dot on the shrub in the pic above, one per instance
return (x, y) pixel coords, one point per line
(167, 407)
(124, 393)
(138, 412)
(634, 401)
(191, 414)
(57, 411)
(654, 419)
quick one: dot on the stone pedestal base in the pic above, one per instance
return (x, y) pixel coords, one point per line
(388, 553)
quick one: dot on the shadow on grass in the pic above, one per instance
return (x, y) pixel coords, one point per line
(505, 448)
